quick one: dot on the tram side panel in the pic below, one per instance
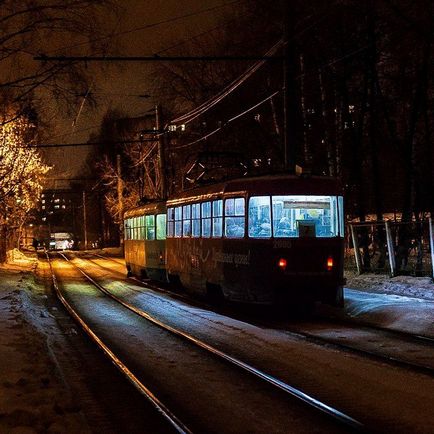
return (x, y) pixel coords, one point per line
(135, 257)
(192, 261)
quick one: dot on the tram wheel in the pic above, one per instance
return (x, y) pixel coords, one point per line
(214, 293)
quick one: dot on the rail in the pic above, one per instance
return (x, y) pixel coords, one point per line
(293, 391)
(173, 420)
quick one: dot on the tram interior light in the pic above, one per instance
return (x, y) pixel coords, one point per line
(329, 263)
(282, 263)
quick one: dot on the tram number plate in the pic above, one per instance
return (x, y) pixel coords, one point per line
(282, 244)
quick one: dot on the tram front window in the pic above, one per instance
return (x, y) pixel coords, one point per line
(295, 216)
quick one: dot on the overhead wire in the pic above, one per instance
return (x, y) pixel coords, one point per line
(193, 114)
(206, 136)
(150, 25)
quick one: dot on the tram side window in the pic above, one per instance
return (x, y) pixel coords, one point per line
(178, 221)
(206, 219)
(135, 228)
(142, 225)
(195, 220)
(150, 227)
(170, 222)
(311, 216)
(260, 217)
(161, 226)
(186, 221)
(234, 218)
(131, 228)
(217, 218)
(127, 235)
(131, 235)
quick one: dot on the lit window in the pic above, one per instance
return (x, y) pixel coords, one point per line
(195, 220)
(186, 221)
(259, 217)
(150, 227)
(170, 222)
(161, 226)
(206, 219)
(217, 218)
(178, 221)
(312, 216)
(140, 230)
(234, 218)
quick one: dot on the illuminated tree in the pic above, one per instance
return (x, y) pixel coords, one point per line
(21, 174)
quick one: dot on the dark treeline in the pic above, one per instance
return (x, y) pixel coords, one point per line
(360, 101)
(363, 96)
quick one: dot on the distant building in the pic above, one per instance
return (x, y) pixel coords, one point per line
(59, 219)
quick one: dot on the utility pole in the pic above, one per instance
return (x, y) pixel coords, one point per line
(161, 150)
(120, 199)
(84, 219)
(289, 95)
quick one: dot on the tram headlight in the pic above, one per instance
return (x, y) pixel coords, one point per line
(282, 263)
(329, 263)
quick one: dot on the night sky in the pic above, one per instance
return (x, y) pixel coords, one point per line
(119, 84)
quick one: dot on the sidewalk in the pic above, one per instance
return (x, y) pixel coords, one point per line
(33, 398)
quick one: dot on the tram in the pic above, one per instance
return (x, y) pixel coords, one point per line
(145, 241)
(255, 240)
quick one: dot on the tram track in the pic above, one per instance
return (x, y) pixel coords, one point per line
(321, 407)
(375, 342)
(164, 411)
(416, 344)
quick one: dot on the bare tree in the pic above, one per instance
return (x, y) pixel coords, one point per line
(21, 175)
(33, 27)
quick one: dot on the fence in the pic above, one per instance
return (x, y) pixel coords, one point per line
(391, 247)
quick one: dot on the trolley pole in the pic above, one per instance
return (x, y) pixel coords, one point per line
(161, 150)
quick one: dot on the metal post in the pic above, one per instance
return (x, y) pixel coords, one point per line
(84, 220)
(391, 249)
(120, 198)
(356, 250)
(289, 94)
(431, 244)
(161, 150)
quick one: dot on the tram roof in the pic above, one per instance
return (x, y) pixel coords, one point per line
(149, 208)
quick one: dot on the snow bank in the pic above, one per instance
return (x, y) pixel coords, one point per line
(16, 259)
(409, 286)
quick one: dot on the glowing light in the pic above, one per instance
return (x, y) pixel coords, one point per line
(282, 263)
(329, 263)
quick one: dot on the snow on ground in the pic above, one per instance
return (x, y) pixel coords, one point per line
(33, 398)
(409, 286)
(403, 303)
